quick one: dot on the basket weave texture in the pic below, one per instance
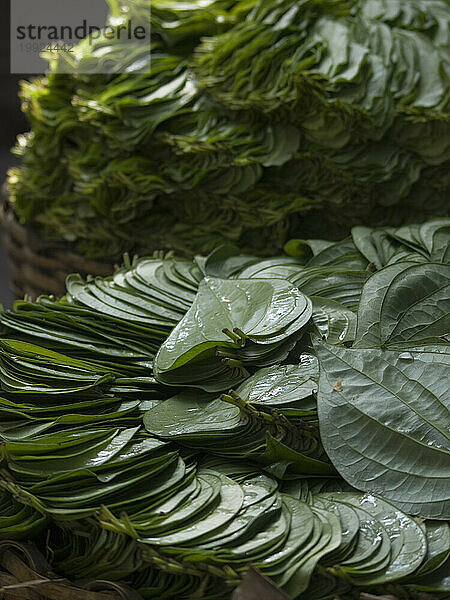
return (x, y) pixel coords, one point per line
(39, 267)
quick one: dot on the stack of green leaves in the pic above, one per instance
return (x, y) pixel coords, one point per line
(181, 420)
(254, 122)
(232, 324)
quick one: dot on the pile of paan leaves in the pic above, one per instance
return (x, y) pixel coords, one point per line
(175, 423)
(251, 121)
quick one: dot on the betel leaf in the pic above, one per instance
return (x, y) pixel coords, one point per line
(191, 413)
(334, 283)
(335, 323)
(417, 304)
(417, 243)
(438, 546)
(279, 267)
(368, 334)
(407, 540)
(202, 422)
(210, 483)
(263, 312)
(404, 302)
(298, 119)
(305, 249)
(223, 262)
(385, 423)
(230, 502)
(435, 235)
(362, 238)
(283, 386)
(297, 578)
(281, 459)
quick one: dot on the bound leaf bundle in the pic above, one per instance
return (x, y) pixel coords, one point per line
(254, 122)
(232, 324)
(176, 423)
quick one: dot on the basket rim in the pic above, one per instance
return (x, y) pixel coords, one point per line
(61, 252)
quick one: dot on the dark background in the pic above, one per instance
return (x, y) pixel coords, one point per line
(12, 122)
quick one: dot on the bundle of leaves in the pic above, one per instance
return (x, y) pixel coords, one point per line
(254, 123)
(182, 420)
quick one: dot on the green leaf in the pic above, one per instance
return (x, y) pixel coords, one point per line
(333, 322)
(404, 302)
(407, 540)
(265, 312)
(191, 413)
(384, 422)
(289, 460)
(283, 386)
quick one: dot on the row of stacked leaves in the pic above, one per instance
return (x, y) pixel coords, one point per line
(181, 420)
(251, 117)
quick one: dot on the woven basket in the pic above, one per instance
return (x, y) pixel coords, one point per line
(26, 575)
(38, 267)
